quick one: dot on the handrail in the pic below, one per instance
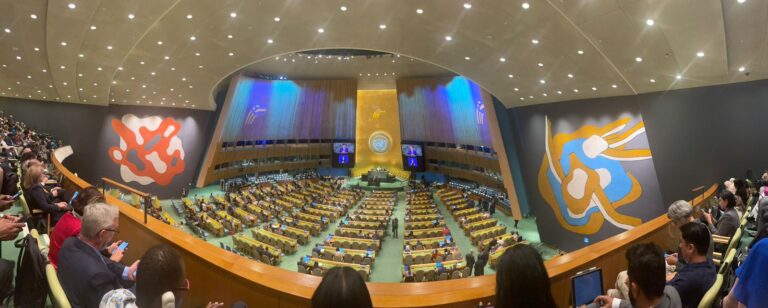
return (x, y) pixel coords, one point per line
(124, 187)
(229, 277)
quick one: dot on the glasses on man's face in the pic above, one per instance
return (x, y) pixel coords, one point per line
(111, 230)
(185, 287)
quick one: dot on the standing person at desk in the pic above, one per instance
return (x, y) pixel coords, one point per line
(470, 258)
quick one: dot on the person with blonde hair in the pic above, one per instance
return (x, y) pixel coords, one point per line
(39, 197)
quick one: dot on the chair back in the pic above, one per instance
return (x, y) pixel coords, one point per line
(58, 297)
(709, 298)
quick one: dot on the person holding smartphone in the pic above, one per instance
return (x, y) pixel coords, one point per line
(38, 197)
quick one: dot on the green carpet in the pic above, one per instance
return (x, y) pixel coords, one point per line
(388, 264)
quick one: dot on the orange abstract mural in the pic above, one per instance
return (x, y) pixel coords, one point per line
(150, 150)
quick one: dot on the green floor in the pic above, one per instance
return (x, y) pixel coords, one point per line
(390, 255)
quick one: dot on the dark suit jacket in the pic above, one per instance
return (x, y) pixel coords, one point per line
(727, 224)
(86, 275)
(470, 260)
(479, 268)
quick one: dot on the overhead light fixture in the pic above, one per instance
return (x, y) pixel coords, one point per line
(320, 30)
(419, 11)
(80, 55)
(741, 1)
(614, 86)
(679, 77)
(33, 16)
(93, 27)
(7, 30)
(575, 90)
(542, 81)
(277, 19)
(18, 57)
(167, 57)
(231, 54)
(131, 16)
(109, 47)
(540, 64)
(159, 42)
(229, 36)
(638, 59)
(511, 76)
(72, 6)
(119, 68)
(741, 69)
(467, 6)
(63, 43)
(570, 75)
(233, 15)
(526, 5)
(516, 89)
(448, 38)
(192, 38)
(37, 49)
(382, 26)
(343, 8)
(467, 58)
(559, 92)
(594, 89)
(270, 41)
(189, 16)
(700, 54)
(534, 41)
(503, 59)
(581, 52)
(649, 22)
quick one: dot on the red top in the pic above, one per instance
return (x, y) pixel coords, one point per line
(68, 226)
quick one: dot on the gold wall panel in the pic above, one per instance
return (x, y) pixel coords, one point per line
(377, 111)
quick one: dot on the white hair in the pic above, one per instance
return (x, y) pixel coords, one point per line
(96, 217)
(679, 210)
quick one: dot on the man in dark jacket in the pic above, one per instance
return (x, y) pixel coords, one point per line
(394, 227)
(470, 261)
(479, 267)
(85, 274)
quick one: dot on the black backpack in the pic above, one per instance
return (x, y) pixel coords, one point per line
(10, 180)
(31, 288)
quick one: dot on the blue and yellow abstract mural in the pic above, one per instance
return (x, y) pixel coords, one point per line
(582, 175)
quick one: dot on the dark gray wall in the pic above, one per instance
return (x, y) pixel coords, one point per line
(510, 146)
(89, 131)
(697, 136)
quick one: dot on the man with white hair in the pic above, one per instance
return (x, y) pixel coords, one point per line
(85, 273)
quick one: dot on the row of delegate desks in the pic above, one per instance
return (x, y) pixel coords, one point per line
(425, 267)
(291, 242)
(375, 244)
(428, 241)
(424, 225)
(355, 252)
(492, 232)
(248, 246)
(328, 264)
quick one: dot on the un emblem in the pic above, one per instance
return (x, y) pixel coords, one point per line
(379, 142)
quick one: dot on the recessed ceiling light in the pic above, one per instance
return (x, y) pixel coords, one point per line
(80, 55)
(173, 68)
(540, 64)
(511, 76)
(320, 30)
(189, 16)
(277, 19)
(614, 86)
(638, 59)
(231, 54)
(535, 41)
(192, 38)
(700, 54)
(649, 22)
(233, 14)
(62, 67)
(594, 89)
(678, 77)
(142, 62)
(503, 59)
(93, 27)
(37, 49)
(33, 16)
(467, 58)
(343, 8)
(382, 26)
(270, 41)
(183, 78)
(63, 43)
(542, 81)
(448, 38)
(530, 96)
(575, 90)
(131, 16)
(526, 5)
(570, 75)
(29, 77)
(159, 42)
(516, 89)
(741, 1)
(109, 47)
(143, 86)
(45, 70)
(229, 36)
(197, 54)
(741, 69)
(167, 57)
(72, 6)
(419, 11)
(581, 52)
(559, 92)
(119, 68)
(18, 57)
(543, 94)
(467, 6)
(522, 98)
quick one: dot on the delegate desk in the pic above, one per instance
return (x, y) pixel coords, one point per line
(355, 252)
(421, 217)
(328, 264)
(423, 225)
(362, 225)
(425, 267)
(287, 245)
(374, 244)
(494, 256)
(228, 277)
(423, 233)
(313, 228)
(429, 242)
(364, 232)
(248, 246)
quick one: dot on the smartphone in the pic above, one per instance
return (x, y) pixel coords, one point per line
(16, 196)
(123, 246)
(23, 219)
(73, 197)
